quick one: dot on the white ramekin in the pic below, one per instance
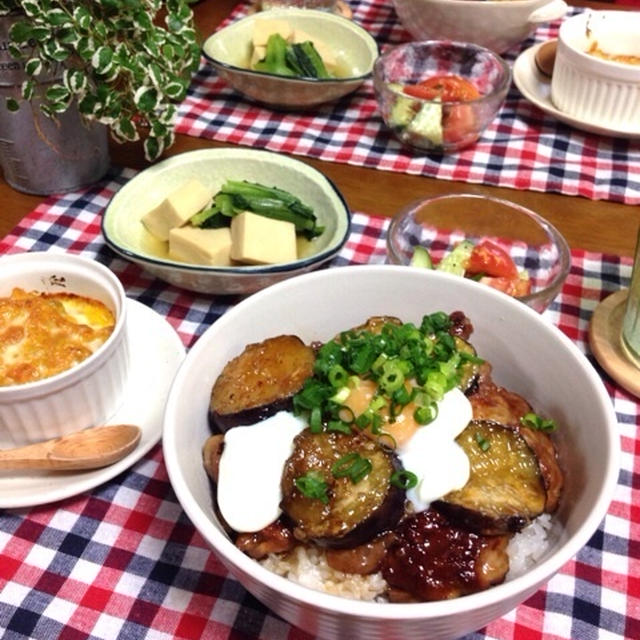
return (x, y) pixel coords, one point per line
(591, 89)
(85, 395)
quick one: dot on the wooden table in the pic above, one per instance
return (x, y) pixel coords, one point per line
(595, 225)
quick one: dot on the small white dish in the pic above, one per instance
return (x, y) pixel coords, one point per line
(536, 88)
(156, 354)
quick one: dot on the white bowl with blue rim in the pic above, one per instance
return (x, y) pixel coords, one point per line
(126, 235)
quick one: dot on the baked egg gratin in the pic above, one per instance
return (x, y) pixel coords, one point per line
(43, 334)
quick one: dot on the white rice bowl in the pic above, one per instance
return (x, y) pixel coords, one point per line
(529, 356)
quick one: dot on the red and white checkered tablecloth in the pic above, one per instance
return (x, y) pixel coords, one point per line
(523, 148)
(123, 561)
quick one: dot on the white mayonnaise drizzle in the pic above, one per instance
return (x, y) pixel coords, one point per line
(433, 455)
(250, 470)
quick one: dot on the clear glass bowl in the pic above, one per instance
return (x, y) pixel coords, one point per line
(433, 125)
(441, 222)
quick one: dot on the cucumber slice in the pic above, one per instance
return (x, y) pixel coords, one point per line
(421, 258)
(456, 261)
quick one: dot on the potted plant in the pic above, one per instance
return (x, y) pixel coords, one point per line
(122, 63)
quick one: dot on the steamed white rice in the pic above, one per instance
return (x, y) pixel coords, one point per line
(308, 566)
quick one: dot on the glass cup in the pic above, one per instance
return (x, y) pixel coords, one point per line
(631, 321)
(319, 5)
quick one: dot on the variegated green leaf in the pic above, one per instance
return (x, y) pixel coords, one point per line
(101, 59)
(33, 66)
(82, 17)
(27, 89)
(146, 98)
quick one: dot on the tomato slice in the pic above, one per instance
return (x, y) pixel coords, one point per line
(516, 287)
(490, 259)
(449, 88)
(418, 91)
(459, 124)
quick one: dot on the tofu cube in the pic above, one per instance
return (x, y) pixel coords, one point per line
(262, 29)
(256, 239)
(210, 247)
(176, 209)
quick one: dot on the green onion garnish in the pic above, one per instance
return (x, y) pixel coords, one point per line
(352, 466)
(483, 443)
(425, 415)
(407, 363)
(534, 421)
(312, 485)
(404, 479)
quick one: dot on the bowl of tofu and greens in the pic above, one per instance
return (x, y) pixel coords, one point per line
(292, 58)
(227, 221)
(305, 489)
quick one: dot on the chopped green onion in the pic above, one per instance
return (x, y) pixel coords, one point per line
(352, 466)
(534, 421)
(364, 420)
(404, 479)
(312, 485)
(483, 443)
(337, 376)
(338, 425)
(426, 415)
(315, 420)
(341, 395)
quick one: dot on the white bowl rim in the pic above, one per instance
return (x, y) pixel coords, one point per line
(503, 87)
(525, 584)
(363, 33)
(248, 270)
(550, 230)
(67, 377)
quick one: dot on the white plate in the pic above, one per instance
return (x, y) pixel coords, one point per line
(537, 89)
(156, 354)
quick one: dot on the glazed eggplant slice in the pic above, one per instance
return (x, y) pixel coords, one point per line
(259, 382)
(505, 490)
(347, 513)
(433, 559)
(552, 477)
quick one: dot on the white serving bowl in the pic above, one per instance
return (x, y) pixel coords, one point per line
(229, 51)
(528, 354)
(125, 234)
(495, 24)
(88, 393)
(598, 91)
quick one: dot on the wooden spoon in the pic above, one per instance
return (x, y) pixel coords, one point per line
(88, 449)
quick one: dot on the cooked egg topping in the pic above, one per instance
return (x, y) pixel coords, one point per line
(250, 471)
(43, 334)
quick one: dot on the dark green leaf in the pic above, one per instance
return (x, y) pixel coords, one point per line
(12, 104)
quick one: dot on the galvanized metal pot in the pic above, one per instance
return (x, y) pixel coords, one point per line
(39, 155)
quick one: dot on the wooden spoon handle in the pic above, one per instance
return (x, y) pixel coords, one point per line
(33, 456)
